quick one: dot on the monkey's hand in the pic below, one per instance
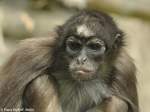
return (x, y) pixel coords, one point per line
(113, 104)
(41, 95)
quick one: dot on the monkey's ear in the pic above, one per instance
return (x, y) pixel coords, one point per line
(59, 30)
(119, 41)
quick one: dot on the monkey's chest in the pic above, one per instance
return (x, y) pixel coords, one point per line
(79, 97)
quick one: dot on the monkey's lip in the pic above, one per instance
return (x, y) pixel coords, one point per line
(82, 74)
(83, 71)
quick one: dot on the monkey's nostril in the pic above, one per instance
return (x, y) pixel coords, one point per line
(81, 60)
(84, 59)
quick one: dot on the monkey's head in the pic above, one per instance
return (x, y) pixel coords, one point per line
(91, 41)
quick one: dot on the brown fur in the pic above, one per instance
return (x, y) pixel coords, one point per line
(27, 63)
(38, 75)
(26, 69)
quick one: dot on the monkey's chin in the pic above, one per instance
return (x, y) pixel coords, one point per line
(81, 75)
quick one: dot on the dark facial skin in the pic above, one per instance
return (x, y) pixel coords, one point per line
(85, 55)
(88, 40)
(78, 73)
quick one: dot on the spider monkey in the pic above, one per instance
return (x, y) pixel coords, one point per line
(80, 67)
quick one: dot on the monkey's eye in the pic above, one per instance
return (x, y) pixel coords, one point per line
(94, 46)
(74, 46)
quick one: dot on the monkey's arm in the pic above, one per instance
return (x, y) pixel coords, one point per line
(28, 62)
(123, 86)
(112, 104)
(42, 95)
(124, 83)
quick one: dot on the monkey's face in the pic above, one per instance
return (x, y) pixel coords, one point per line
(85, 56)
(86, 38)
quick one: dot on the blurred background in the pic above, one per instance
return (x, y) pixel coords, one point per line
(20, 19)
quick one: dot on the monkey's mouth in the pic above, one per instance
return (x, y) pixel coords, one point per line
(82, 74)
(83, 71)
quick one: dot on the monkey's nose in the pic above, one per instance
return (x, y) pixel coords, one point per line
(81, 60)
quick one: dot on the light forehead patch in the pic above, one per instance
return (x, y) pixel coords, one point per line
(83, 30)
